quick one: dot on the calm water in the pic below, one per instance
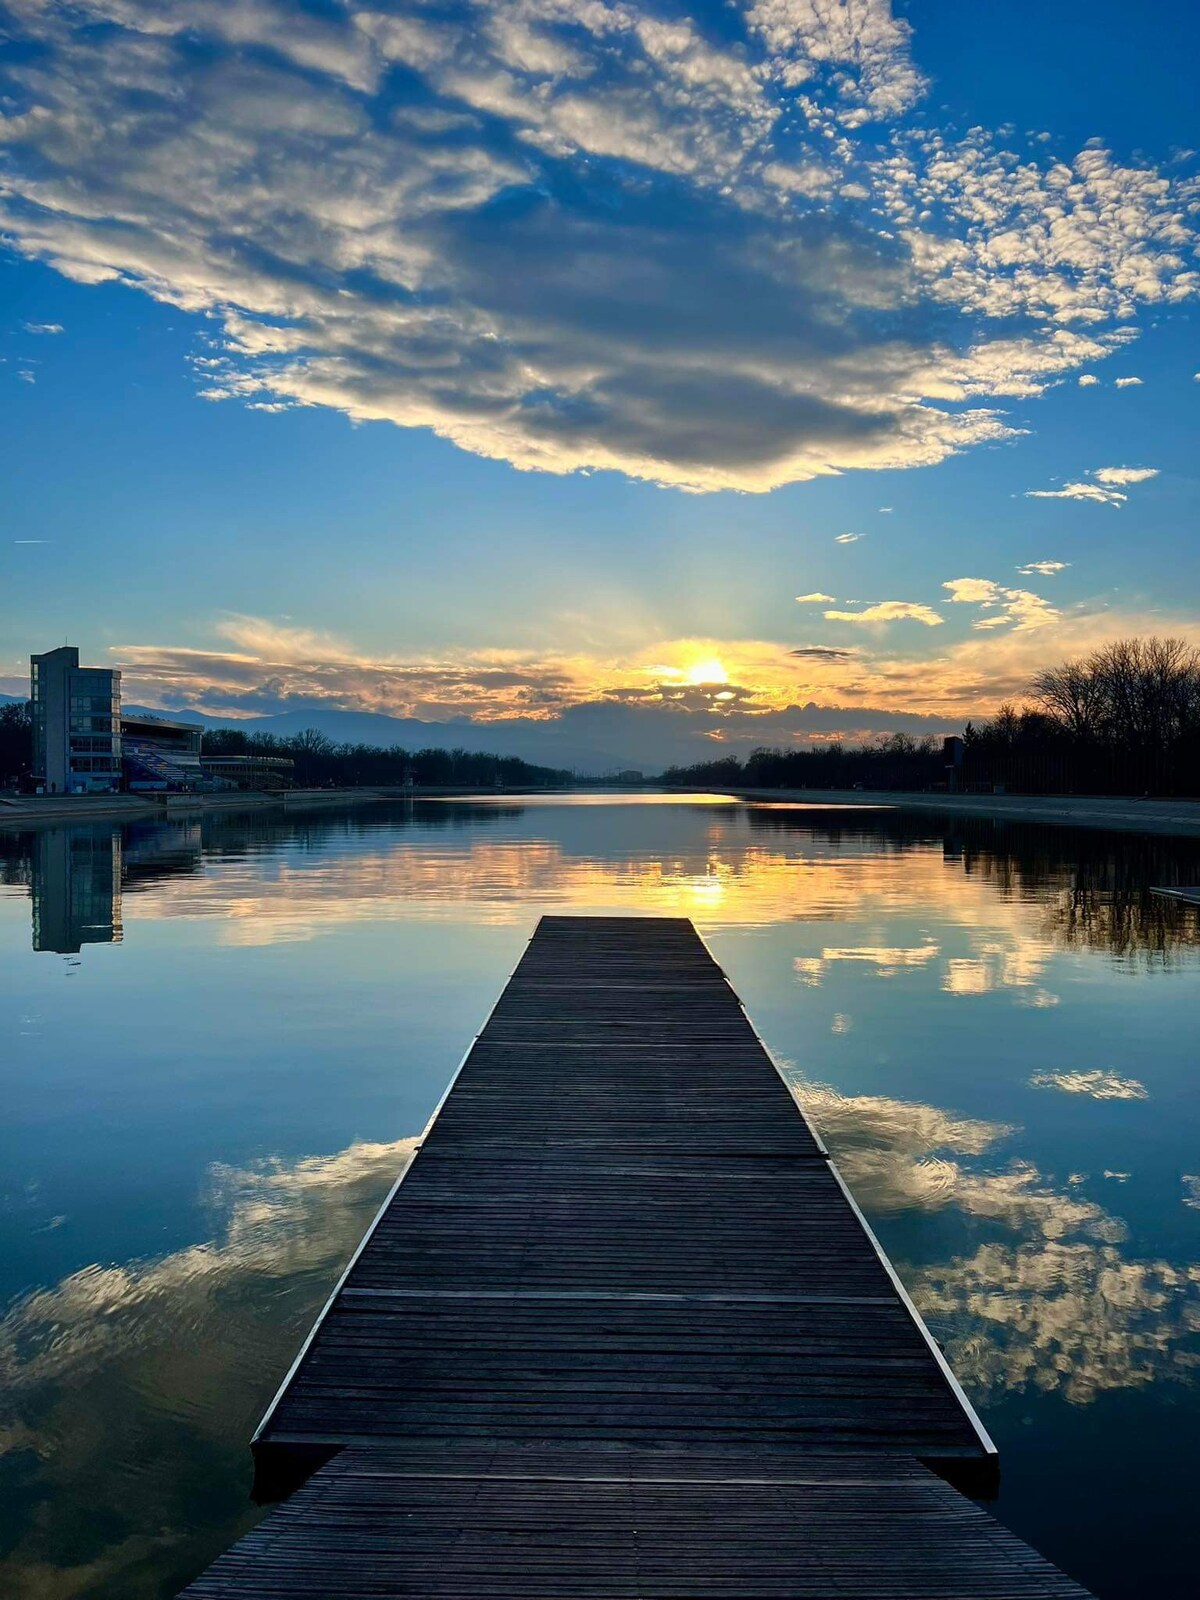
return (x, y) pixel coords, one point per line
(220, 1037)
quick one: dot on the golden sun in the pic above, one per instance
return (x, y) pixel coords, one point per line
(706, 672)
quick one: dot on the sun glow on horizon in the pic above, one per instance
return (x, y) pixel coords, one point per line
(705, 672)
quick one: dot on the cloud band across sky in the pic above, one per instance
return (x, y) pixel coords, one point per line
(681, 696)
(574, 234)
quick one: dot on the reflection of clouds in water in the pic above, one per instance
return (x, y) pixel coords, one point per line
(900, 1156)
(1097, 1085)
(720, 881)
(1058, 1309)
(1067, 1316)
(1191, 1190)
(887, 960)
(1004, 955)
(117, 1376)
(1012, 963)
(267, 1235)
(1038, 1000)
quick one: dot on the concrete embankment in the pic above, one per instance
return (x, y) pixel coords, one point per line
(39, 811)
(1123, 813)
(20, 811)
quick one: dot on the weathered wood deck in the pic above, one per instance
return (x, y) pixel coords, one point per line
(621, 1330)
(1190, 897)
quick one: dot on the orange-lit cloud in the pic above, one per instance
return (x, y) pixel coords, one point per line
(747, 685)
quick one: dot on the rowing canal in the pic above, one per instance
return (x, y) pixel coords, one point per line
(218, 1038)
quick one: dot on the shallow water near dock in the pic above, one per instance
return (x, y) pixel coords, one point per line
(219, 1038)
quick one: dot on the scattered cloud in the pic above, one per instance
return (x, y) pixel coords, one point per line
(1098, 1085)
(847, 538)
(886, 510)
(1103, 490)
(1127, 383)
(771, 693)
(42, 327)
(1087, 379)
(1125, 474)
(26, 376)
(889, 611)
(579, 236)
(1020, 607)
(973, 591)
(1044, 569)
(816, 598)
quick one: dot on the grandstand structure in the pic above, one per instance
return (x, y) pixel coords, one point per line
(158, 753)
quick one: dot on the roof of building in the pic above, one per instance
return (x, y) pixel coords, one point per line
(144, 719)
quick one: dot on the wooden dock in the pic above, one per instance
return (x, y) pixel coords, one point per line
(1189, 897)
(621, 1330)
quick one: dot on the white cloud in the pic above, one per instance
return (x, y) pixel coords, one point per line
(847, 538)
(1087, 379)
(1103, 491)
(869, 47)
(889, 611)
(1020, 607)
(1127, 383)
(816, 598)
(1098, 1085)
(449, 218)
(1078, 491)
(1045, 569)
(42, 327)
(973, 591)
(1125, 474)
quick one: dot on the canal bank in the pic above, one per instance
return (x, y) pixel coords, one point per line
(22, 811)
(1125, 813)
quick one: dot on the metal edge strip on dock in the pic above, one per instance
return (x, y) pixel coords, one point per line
(265, 1421)
(985, 1439)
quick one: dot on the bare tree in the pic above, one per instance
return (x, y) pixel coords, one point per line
(1134, 694)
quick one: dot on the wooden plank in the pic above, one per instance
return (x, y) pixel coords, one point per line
(619, 1224)
(621, 1331)
(652, 1525)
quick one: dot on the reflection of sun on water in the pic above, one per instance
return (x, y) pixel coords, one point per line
(704, 892)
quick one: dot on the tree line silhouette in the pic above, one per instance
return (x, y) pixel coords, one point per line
(1123, 720)
(319, 760)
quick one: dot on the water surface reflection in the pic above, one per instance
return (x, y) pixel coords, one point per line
(992, 1024)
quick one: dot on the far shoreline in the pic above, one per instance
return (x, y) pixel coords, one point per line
(1120, 813)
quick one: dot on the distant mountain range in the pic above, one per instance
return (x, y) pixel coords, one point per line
(540, 742)
(593, 739)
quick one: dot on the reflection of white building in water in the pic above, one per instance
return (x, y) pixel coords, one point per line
(76, 724)
(76, 888)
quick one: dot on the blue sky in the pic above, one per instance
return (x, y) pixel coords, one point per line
(459, 359)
